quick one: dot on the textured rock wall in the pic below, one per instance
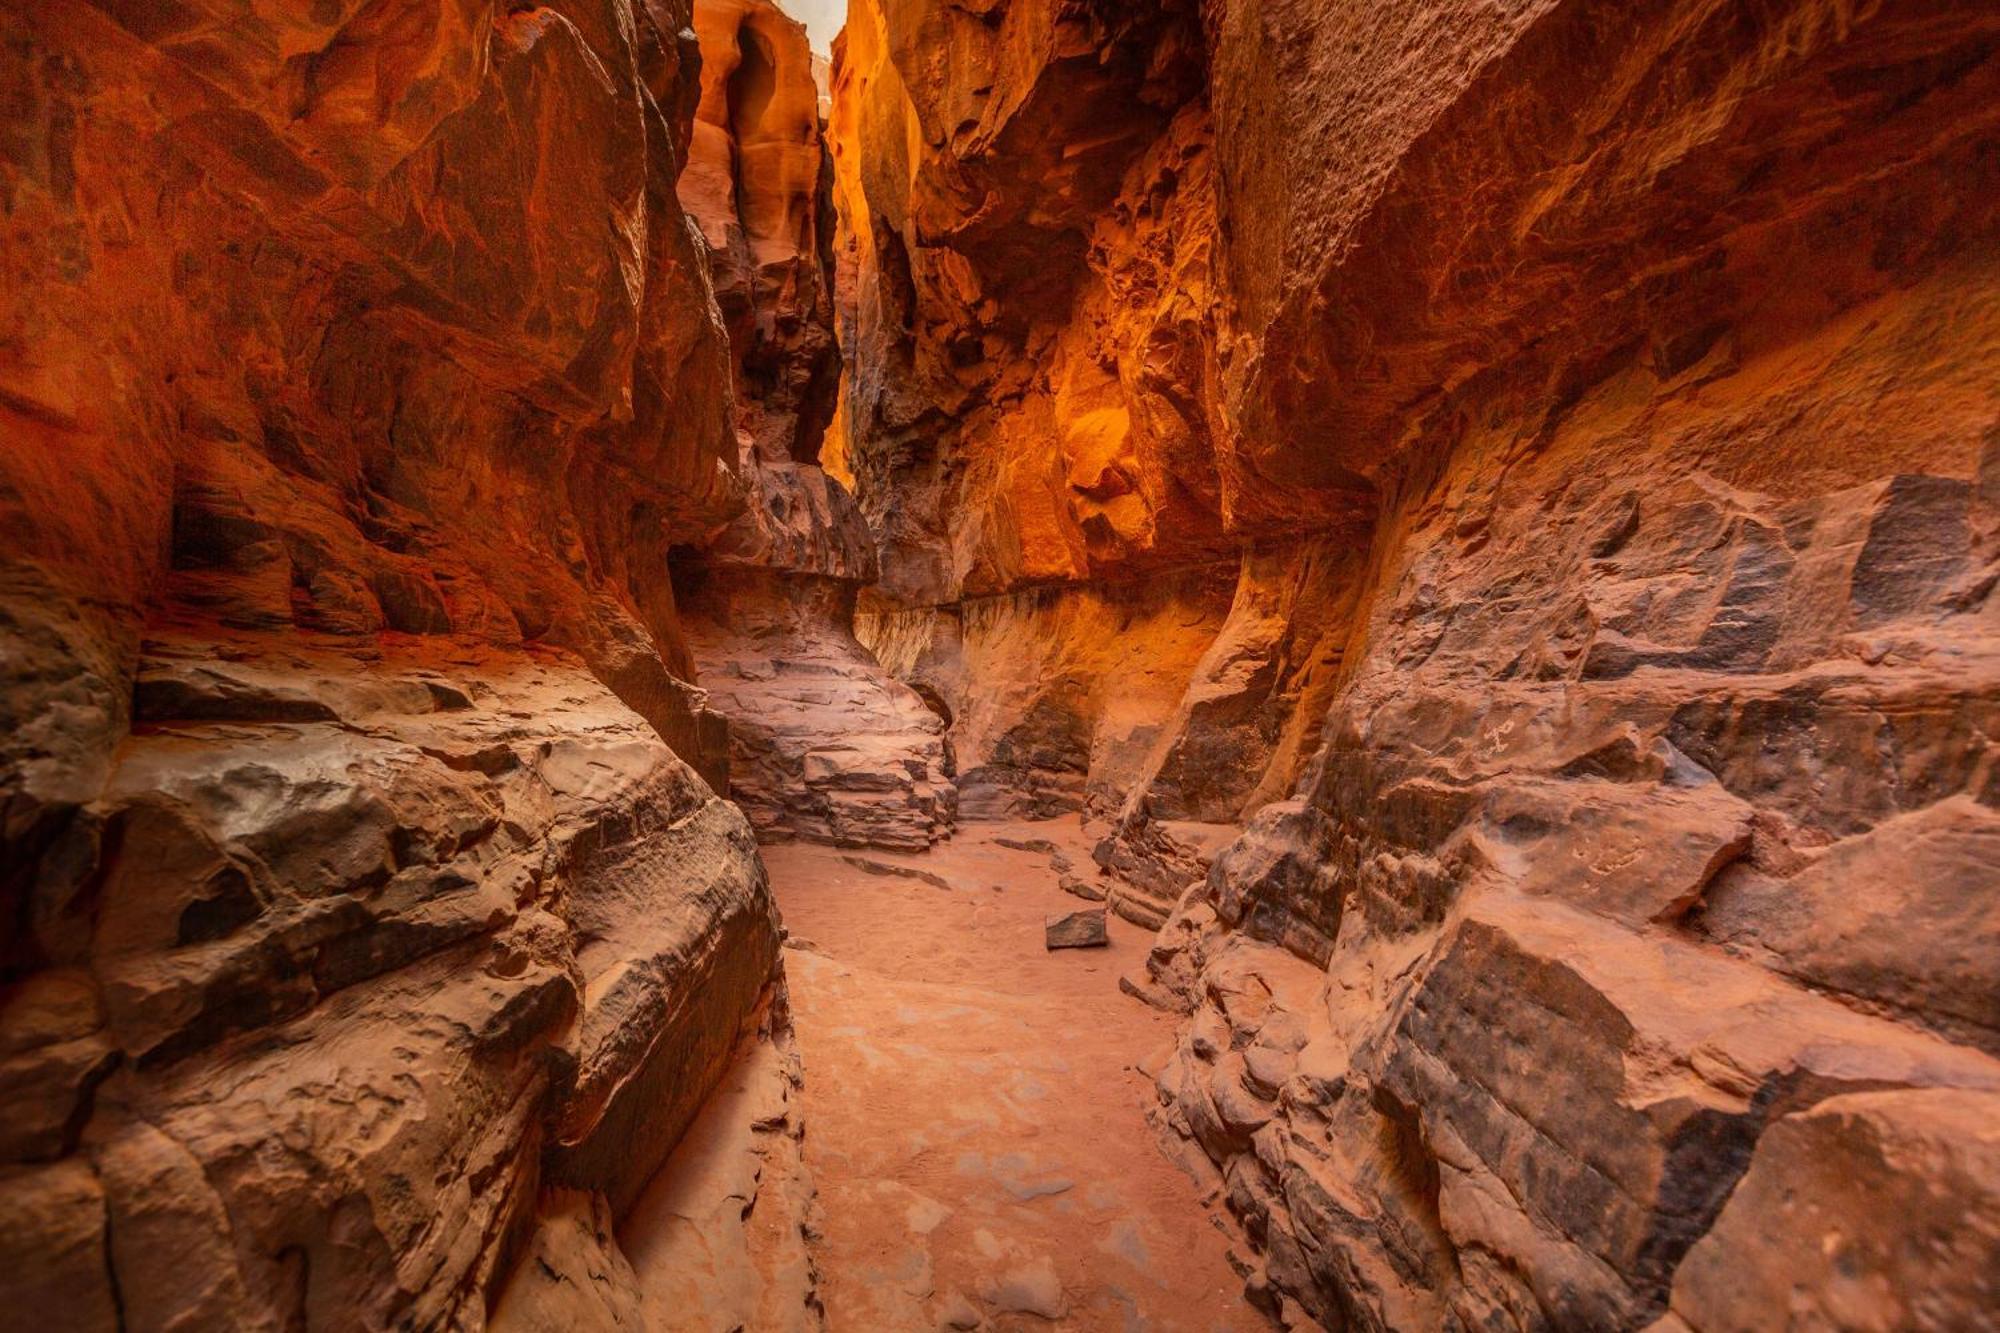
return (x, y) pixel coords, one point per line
(1595, 406)
(825, 745)
(1030, 239)
(361, 371)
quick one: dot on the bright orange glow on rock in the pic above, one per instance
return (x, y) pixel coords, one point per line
(1419, 575)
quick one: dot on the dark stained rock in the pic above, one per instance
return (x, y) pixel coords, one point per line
(1081, 929)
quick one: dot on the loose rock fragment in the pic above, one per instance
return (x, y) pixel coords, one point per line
(1083, 929)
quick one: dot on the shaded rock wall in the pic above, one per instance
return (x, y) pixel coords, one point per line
(361, 371)
(1594, 407)
(825, 744)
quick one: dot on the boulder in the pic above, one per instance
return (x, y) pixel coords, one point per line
(1081, 929)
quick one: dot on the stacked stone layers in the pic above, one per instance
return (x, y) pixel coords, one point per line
(373, 951)
(359, 882)
(1595, 404)
(824, 744)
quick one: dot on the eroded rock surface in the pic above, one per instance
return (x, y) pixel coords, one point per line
(364, 873)
(1489, 512)
(1532, 470)
(357, 952)
(719, 1239)
(825, 745)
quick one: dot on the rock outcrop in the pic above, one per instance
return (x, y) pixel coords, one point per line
(1533, 468)
(364, 875)
(824, 744)
(1492, 512)
(1035, 423)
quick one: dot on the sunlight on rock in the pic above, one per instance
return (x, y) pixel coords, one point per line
(993, 664)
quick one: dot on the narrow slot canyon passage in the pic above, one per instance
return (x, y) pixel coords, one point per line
(975, 1103)
(879, 665)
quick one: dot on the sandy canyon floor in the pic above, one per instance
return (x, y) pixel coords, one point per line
(975, 1104)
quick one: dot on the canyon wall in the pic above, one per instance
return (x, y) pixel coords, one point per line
(366, 886)
(1116, 615)
(824, 744)
(1534, 471)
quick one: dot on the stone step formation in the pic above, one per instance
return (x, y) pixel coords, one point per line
(1222, 663)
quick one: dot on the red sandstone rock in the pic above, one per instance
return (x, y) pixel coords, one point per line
(466, 928)
(1594, 404)
(1530, 470)
(1080, 929)
(824, 744)
(756, 183)
(362, 370)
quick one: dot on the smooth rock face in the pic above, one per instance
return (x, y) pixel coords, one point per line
(364, 881)
(1532, 470)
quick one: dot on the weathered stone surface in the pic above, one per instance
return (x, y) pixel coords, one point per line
(360, 876)
(52, 1233)
(718, 1241)
(1492, 512)
(1059, 700)
(362, 984)
(1594, 403)
(1872, 1210)
(574, 1274)
(756, 181)
(722, 1237)
(1032, 405)
(346, 370)
(824, 745)
(1081, 929)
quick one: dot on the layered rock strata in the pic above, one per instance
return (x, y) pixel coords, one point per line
(1593, 404)
(361, 880)
(1115, 619)
(824, 744)
(365, 951)
(718, 1238)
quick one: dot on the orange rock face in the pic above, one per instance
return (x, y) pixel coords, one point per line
(1535, 467)
(361, 372)
(824, 744)
(1491, 512)
(756, 183)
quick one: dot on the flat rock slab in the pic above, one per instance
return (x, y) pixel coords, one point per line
(875, 867)
(1083, 929)
(1083, 888)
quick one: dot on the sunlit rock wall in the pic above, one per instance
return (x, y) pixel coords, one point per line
(824, 744)
(1553, 447)
(361, 370)
(1034, 422)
